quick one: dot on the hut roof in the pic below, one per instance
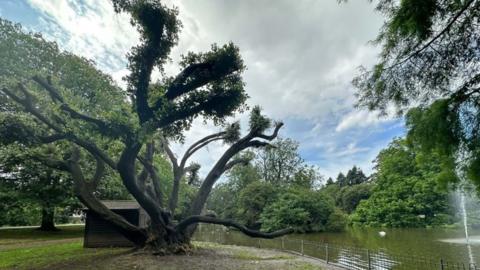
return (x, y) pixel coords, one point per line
(121, 204)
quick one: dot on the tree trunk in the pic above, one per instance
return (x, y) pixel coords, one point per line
(48, 215)
(172, 203)
(161, 242)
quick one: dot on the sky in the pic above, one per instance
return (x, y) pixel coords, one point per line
(301, 57)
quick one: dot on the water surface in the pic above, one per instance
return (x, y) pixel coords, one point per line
(358, 247)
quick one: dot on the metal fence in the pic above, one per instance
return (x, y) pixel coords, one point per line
(347, 257)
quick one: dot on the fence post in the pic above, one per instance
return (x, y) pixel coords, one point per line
(369, 260)
(283, 242)
(441, 264)
(258, 243)
(326, 252)
(302, 246)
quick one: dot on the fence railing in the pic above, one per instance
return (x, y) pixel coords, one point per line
(347, 257)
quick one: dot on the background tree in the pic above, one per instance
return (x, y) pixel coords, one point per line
(14, 210)
(304, 210)
(281, 164)
(122, 137)
(430, 60)
(329, 181)
(355, 176)
(348, 191)
(35, 184)
(406, 192)
(252, 201)
(248, 197)
(349, 197)
(341, 180)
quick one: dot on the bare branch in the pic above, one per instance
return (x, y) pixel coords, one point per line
(182, 226)
(220, 166)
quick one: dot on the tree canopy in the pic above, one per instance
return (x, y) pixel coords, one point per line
(430, 62)
(407, 192)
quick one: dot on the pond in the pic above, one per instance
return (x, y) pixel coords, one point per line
(359, 247)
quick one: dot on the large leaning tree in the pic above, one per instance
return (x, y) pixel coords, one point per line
(124, 135)
(429, 66)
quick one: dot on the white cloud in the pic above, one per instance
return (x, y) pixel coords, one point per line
(361, 119)
(89, 28)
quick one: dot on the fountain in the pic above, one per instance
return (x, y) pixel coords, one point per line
(468, 240)
(465, 226)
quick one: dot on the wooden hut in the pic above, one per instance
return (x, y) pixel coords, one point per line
(100, 233)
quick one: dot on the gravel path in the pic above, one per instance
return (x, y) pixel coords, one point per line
(206, 256)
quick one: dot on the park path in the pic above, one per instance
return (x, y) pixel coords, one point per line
(208, 256)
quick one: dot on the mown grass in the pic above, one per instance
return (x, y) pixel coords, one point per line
(28, 248)
(23, 235)
(42, 256)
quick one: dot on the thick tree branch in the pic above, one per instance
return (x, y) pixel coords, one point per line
(231, 164)
(52, 91)
(257, 144)
(154, 177)
(179, 170)
(51, 162)
(93, 149)
(278, 126)
(52, 138)
(200, 144)
(169, 152)
(219, 168)
(182, 226)
(126, 168)
(99, 172)
(184, 111)
(103, 126)
(181, 85)
(30, 108)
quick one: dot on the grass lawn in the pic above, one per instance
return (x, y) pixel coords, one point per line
(28, 248)
(25, 235)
